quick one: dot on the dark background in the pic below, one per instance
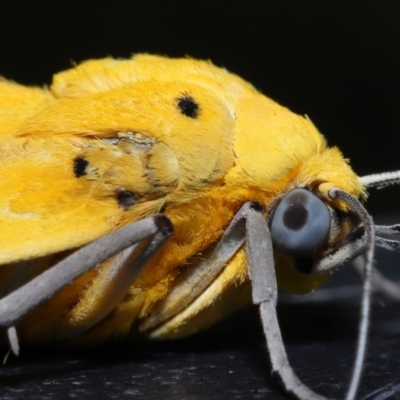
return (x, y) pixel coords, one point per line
(337, 61)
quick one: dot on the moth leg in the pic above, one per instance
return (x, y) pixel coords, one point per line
(13, 340)
(153, 230)
(110, 285)
(198, 276)
(264, 292)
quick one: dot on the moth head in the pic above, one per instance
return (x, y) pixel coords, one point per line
(317, 231)
(306, 228)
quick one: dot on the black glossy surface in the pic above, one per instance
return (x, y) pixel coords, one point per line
(230, 360)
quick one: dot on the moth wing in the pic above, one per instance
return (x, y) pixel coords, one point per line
(17, 103)
(59, 193)
(77, 164)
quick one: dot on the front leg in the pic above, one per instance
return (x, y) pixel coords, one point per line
(264, 292)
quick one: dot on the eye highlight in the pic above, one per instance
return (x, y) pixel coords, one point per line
(300, 224)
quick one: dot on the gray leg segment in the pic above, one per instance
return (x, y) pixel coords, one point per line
(200, 273)
(264, 289)
(20, 302)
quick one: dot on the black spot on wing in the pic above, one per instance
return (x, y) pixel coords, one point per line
(126, 199)
(80, 166)
(188, 105)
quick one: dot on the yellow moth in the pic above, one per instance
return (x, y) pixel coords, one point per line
(162, 194)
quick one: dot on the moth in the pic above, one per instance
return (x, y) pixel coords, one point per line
(160, 195)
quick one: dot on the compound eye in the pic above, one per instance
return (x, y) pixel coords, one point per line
(301, 223)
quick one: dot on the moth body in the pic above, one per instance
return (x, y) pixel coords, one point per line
(114, 141)
(154, 196)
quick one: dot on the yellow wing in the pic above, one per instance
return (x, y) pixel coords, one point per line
(99, 151)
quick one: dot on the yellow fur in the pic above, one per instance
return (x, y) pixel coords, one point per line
(121, 117)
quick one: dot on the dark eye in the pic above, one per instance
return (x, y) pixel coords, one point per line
(300, 224)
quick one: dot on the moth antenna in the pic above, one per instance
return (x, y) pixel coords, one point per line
(387, 244)
(381, 180)
(390, 230)
(365, 310)
(387, 229)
